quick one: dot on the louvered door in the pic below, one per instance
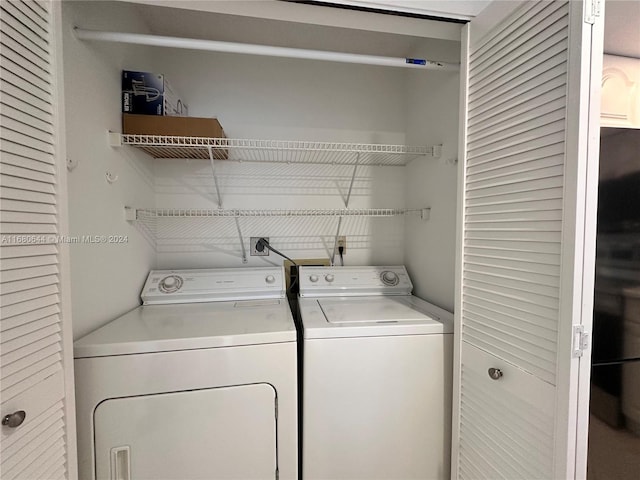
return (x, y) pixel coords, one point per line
(32, 336)
(524, 240)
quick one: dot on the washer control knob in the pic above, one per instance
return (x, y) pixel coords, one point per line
(389, 278)
(270, 279)
(170, 284)
(329, 277)
(313, 278)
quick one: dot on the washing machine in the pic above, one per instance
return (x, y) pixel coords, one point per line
(377, 377)
(200, 382)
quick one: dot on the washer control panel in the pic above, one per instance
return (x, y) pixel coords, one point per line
(210, 285)
(354, 281)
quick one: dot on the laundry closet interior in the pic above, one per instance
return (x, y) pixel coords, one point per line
(404, 205)
(454, 150)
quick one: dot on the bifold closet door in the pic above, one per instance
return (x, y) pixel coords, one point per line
(526, 240)
(34, 408)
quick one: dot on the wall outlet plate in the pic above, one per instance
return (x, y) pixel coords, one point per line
(342, 242)
(256, 253)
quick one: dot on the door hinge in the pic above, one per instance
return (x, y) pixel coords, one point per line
(580, 341)
(592, 10)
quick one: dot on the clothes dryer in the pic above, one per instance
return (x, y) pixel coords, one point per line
(377, 376)
(198, 383)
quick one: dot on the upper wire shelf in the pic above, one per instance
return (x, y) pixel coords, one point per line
(275, 151)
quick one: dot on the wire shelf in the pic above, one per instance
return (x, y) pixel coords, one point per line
(277, 151)
(146, 213)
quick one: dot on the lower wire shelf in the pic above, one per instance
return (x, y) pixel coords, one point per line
(150, 215)
(140, 213)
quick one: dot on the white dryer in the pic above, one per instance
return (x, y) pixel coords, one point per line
(198, 383)
(377, 377)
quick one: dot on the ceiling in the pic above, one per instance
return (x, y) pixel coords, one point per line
(622, 28)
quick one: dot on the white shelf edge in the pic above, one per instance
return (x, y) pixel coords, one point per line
(148, 213)
(275, 151)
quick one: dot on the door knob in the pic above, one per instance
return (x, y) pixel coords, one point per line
(14, 419)
(495, 373)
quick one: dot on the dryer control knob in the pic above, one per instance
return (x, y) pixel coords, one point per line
(389, 278)
(329, 277)
(170, 284)
(313, 278)
(270, 279)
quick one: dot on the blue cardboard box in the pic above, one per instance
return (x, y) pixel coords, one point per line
(147, 93)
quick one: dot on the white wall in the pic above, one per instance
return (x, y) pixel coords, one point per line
(272, 98)
(106, 279)
(432, 117)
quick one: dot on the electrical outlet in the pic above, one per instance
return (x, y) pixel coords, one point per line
(342, 242)
(254, 251)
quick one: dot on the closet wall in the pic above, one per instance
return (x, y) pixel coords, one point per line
(106, 278)
(264, 98)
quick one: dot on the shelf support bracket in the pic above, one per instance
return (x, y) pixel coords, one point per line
(244, 250)
(346, 205)
(215, 178)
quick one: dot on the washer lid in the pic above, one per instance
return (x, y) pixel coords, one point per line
(373, 316)
(161, 328)
(375, 309)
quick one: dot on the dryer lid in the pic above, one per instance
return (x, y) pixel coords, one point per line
(161, 328)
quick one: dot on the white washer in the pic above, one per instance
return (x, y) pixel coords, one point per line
(377, 377)
(198, 383)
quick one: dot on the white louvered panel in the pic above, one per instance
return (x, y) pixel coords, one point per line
(497, 440)
(18, 348)
(20, 101)
(15, 372)
(40, 421)
(28, 284)
(32, 207)
(46, 452)
(10, 159)
(26, 129)
(34, 24)
(15, 96)
(19, 138)
(514, 188)
(23, 320)
(27, 184)
(25, 118)
(28, 262)
(32, 377)
(19, 26)
(17, 46)
(37, 83)
(491, 65)
(29, 196)
(27, 229)
(32, 272)
(22, 172)
(8, 312)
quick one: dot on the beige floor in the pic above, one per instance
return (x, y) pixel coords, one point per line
(614, 454)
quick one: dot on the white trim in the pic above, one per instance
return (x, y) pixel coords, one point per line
(457, 323)
(319, 15)
(590, 234)
(578, 249)
(63, 248)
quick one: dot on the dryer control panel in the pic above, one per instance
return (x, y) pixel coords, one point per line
(354, 281)
(211, 285)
